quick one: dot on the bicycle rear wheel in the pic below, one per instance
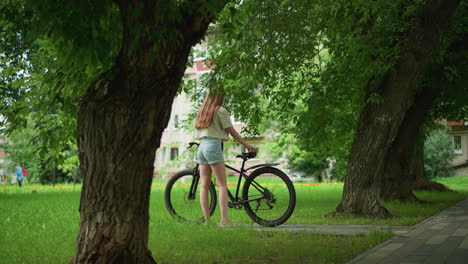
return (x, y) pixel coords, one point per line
(270, 196)
(183, 204)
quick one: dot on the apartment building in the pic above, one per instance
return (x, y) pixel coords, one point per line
(171, 155)
(459, 131)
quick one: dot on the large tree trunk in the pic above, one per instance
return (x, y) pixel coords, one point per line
(398, 174)
(379, 122)
(404, 166)
(120, 123)
(421, 181)
(118, 134)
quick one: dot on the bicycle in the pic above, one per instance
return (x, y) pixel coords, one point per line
(268, 195)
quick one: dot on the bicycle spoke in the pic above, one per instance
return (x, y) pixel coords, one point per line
(258, 205)
(183, 202)
(270, 197)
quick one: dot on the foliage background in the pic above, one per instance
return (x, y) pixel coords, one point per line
(438, 154)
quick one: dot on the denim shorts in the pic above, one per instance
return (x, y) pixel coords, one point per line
(210, 151)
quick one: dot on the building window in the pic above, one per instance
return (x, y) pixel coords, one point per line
(174, 153)
(163, 154)
(457, 144)
(176, 121)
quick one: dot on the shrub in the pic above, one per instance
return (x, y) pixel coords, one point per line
(438, 154)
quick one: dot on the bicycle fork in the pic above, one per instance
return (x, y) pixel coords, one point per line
(193, 187)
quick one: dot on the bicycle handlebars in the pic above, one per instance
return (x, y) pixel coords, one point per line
(192, 143)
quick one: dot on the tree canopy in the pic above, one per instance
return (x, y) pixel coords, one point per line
(347, 66)
(312, 76)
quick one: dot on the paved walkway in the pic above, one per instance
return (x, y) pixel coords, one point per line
(336, 229)
(442, 238)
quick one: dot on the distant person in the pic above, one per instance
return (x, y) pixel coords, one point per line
(213, 126)
(19, 175)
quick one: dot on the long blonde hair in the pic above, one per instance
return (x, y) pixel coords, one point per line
(207, 110)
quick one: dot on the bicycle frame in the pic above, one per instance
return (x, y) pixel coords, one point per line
(235, 203)
(258, 196)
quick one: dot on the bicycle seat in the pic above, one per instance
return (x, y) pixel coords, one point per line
(246, 156)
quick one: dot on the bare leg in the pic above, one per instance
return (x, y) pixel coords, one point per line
(220, 173)
(205, 177)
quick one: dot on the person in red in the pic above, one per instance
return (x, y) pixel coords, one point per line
(19, 175)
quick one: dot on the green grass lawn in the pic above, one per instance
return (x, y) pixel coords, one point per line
(40, 226)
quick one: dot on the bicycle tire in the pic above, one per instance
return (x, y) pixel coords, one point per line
(179, 204)
(266, 207)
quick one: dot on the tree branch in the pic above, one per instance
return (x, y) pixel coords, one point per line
(205, 11)
(59, 92)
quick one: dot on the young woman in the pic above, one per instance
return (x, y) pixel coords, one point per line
(213, 126)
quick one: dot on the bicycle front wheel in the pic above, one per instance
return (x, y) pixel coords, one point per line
(269, 196)
(182, 198)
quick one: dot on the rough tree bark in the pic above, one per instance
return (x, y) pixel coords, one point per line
(398, 173)
(120, 123)
(379, 121)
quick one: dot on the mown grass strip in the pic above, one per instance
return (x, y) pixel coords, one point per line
(40, 226)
